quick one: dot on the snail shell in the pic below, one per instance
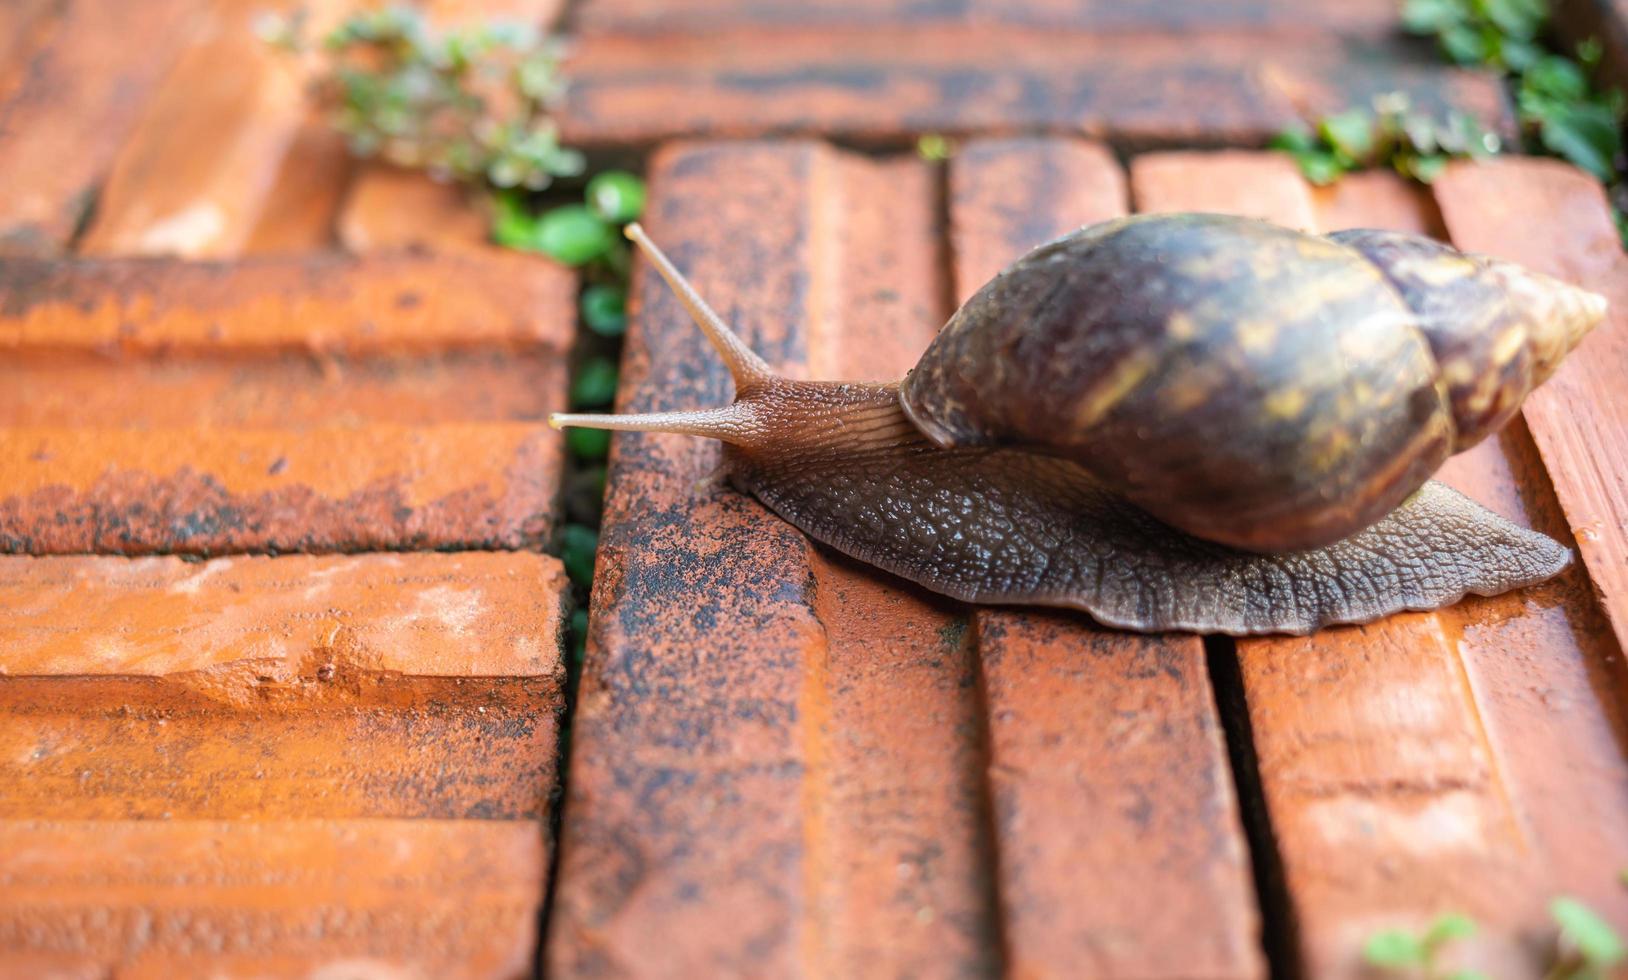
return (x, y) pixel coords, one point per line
(1190, 422)
(1246, 383)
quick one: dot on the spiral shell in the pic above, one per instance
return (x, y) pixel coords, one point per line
(1248, 384)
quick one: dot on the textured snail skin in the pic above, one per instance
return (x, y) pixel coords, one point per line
(1247, 383)
(971, 479)
(1000, 525)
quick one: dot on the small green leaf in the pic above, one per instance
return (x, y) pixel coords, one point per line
(573, 235)
(1446, 928)
(1431, 16)
(1320, 168)
(1515, 18)
(1555, 76)
(1350, 132)
(595, 384)
(1584, 133)
(1466, 975)
(588, 443)
(934, 148)
(1464, 45)
(1593, 937)
(1294, 139)
(578, 543)
(1425, 169)
(513, 226)
(604, 310)
(1393, 948)
(616, 196)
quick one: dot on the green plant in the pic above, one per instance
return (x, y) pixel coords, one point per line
(1588, 947)
(1560, 105)
(1407, 953)
(470, 104)
(473, 105)
(1390, 134)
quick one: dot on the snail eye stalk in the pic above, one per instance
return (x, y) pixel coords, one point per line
(731, 423)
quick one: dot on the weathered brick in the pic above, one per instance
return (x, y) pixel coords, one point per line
(292, 391)
(1578, 419)
(76, 98)
(1117, 832)
(889, 81)
(1437, 762)
(207, 491)
(311, 898)
(199, 169)
(777, 752)
(388, 208)
(418, 685)
(1377, 199)
(1257, 185)
(316, 303)
(697, 16)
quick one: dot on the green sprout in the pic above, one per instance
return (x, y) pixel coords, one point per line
(934, 147)
(1409, 954)
(1588, 947)
(1560, 104)
(1390, 134)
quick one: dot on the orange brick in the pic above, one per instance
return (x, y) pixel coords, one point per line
(291, 391)
(74, 102)
(1377, 199)
(1117, 832)
(419, 685)
(25, 25)
(373, 898)
(1009, 195)
(891, 81)
(314, 303)
(336, 488)
(777, 762)
(1578, 419)
(1258, 185)
(387, 208)
(1461, 760)
(697, 16)
(304, 200)
(200, 168)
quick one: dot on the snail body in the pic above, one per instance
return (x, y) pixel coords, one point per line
(1188, 422)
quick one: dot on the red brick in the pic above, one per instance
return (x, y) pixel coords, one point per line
(889, 82)
(1579, 419)
(1258, 185)
(199, 170)
(420, 685)
(387, 208)
(696, 16)
(1009, 195)
(1377, 199)
(1117, 832)
(313, 303)
(1462, 760)
(777, 753)
(75, 101)
(386, 899)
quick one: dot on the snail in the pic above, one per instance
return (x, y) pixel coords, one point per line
(1188, 422)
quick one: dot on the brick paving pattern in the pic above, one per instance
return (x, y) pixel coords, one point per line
(281, 643)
